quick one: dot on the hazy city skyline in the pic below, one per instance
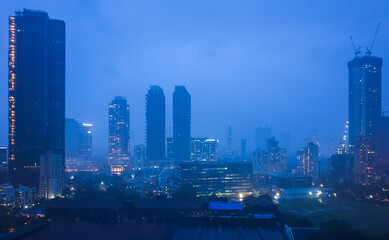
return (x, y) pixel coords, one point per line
(275, 129)
(270, 65)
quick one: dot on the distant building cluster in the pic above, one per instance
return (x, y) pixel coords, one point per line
(270, 160)
(43, 145)
(365, 160)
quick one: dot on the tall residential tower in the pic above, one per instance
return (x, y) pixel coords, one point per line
(36, 83)
(181, 124)
(119, 135)
(365, 79)
(155, 124)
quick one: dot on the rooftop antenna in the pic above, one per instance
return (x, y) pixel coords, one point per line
(356, 51)
(368, 50)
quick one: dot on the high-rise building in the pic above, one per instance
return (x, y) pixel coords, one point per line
(383, 145)
(72, 138)
(382, 148)
(271, 160)
(261, 135)
(36, 83)
(3, 165)
(243, 147)
(86, 142)
(52, 177)
(365, 79)
(307, 158)
(139, 155)
(365, 158)
(155, 124)
(78, 142)
(119, 135)
(203, 149)
(181, 124)
(3, 156)
(170, 148)
(341, 168)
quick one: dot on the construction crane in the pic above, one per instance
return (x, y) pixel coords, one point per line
(356, 51)
(368, 50)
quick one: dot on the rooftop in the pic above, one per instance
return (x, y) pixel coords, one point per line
(154, 231)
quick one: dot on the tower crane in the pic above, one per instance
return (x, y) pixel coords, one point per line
(369, 50)
(356, 51)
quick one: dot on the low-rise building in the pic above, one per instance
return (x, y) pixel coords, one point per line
(203, 149)
(230, 179)
(22, 197)
(7, 195)
(25, 196)
(286, 180)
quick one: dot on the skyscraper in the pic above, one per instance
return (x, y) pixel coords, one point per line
(119, 135)
(155, 124)
(72, 138)
(86, 142)
(364, 98)
(170, 149)
(364, 162)
(52, 176)
(36, 67)
(139, 155)
(3, 165)
(307, 159)
(341, 167)
(181, 124)
(78, 142)
(3, 156)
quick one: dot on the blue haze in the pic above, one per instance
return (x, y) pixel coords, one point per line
(247, 63)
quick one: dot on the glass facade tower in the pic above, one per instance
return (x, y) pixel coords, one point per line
(36, 84)
(119, 135)
(155, 124)
(181, 124)
(365, 79)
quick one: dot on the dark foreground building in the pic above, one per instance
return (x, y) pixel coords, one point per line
(36, 81)
(255, 218)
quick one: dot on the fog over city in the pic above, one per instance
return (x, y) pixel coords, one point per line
(245, 63)
(141, 119)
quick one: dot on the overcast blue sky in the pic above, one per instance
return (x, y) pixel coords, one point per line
(246, 63)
